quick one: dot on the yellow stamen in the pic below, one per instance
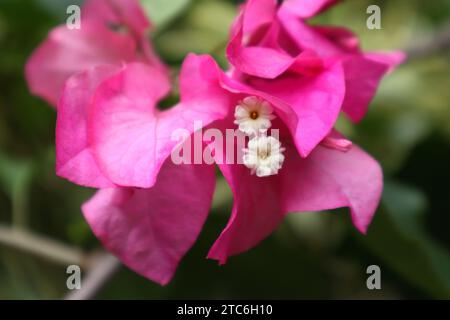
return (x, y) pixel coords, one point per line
(254, 115)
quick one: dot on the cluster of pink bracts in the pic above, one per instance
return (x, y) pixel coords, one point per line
(110, 134)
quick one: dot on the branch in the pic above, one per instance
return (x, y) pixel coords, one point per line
(41, 246)
(100, 266)
(104, 266)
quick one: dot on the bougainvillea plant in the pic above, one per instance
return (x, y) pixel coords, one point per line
(287, 84)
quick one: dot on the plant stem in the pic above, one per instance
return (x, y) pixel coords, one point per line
(41, 246)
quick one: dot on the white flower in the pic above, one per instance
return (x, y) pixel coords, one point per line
(264, 156)
(253, 116)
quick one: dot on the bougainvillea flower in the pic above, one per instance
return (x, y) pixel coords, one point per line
(314, 94)
(335, 174)
(150, 228)
(271, 42)
(111, 133)
(288, 84)
(112, 32)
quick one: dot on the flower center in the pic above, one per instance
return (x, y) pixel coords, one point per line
(264, 156)
(253, 115)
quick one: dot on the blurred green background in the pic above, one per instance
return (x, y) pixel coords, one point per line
(312, 255)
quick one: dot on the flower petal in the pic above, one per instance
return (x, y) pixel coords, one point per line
(256, 210)
(150, 230)
(206, 85)
(327, 179)
(307, 9)
(307, 37)
(268, 59)
(316, 101)
(126, 12)
(330, 179)
(74, 158)
(340, 37)
(258, 61)
(362, 78)
(200, 85)
(131, 138)
(123, 125)
(392, 58)
(257, 13)
(209, 86)
(363, 72)
(66, 52)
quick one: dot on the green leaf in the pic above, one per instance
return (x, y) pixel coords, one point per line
(399, 239)
(163, 12)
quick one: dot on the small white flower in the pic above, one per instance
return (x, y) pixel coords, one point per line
(264, 156)
(253, 116)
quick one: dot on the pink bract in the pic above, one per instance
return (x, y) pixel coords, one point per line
(66, 52)
(332, 176)
(271, 42)
(110, 131)
(151, 228)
